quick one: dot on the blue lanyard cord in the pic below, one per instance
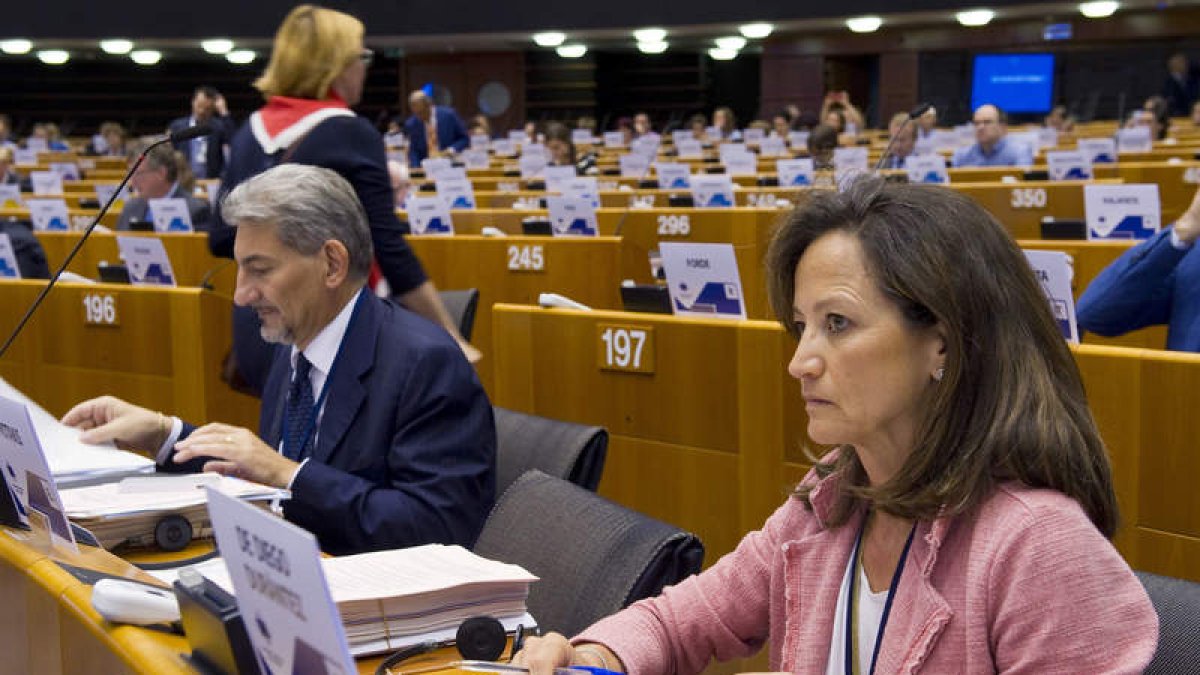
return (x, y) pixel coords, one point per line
(311, 424)
(850, 659)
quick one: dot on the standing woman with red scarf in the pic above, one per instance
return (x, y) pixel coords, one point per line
(318, 64)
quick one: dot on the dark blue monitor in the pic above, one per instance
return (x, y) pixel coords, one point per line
(1017, 83)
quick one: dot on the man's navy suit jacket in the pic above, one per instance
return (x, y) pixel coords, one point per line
(406, 450)
(450, 132)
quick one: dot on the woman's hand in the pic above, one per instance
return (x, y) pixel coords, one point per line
(543, 654)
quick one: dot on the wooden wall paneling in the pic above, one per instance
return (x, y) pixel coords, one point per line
(462, 76)
(792, 79)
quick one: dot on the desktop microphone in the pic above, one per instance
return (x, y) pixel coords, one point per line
(913, 114)
(177, 137)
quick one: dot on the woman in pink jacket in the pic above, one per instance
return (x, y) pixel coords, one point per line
(961, 523)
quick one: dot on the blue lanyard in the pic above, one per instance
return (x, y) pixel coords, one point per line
(850, 658)
(311, 424)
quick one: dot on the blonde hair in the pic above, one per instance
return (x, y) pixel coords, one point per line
(312, 47)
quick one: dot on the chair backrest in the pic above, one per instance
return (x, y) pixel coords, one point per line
(594, 557)
(1177, 602)
(573, 452)
(460, 305)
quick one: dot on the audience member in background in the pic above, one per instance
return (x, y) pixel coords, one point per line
(836, 119)
(401, 181)
(992, 147)
(822, 141)
(48, 131)
(698, 125)
(371, 417)
(164, 173)
(1156, 282)
(781, 125)
(641, 125)
(6, 132)
(532, 133)
(432, 130)
(1160, 112)
(109, 141)
(1196, 114)
(27, 248)
(927, 122)
(481, 126)
(726, 123)
(587, 123)
(205, 154)
(625, 126)
(562, 150)
(853, 121)
(902, 135)
(8, 174)
(1181, 89)
(1146, 118)
(946, 531)
(792, 112)
(316, 72)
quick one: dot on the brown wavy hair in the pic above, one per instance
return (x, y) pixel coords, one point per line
(1011, 406)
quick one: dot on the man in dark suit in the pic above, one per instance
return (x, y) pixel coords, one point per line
(1182, 86)
(432, 130)
(163, 174)
(31, 257)
(205, 154)
(371, 415)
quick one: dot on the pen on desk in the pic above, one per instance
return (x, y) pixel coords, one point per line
(498, 667)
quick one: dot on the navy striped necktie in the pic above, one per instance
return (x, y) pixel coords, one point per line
(300, 422)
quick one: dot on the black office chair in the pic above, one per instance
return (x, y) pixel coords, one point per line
(461, 306)
(1177, 602)
(572, 452)
(593, 557)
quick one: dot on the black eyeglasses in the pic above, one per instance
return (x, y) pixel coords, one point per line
(366, 56)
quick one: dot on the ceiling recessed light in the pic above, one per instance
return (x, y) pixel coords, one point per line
(733, 43)
(146, 57)
(1098, 10)
(571, 51)
(240, 56)
(54, 57)
(975, 17)
(756, 31)
(15, 46)
(549, 39)
(116, 46)
(721, 54)
(652, 47)
(217, 45)
(650, 35)
(864, 24)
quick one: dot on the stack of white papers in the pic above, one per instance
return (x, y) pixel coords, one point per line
(391, 599)
(126, 512)
(71, 461)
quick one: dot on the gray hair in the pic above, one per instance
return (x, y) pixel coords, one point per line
(309, 206)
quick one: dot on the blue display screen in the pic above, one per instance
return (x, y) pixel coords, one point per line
(1017, 83)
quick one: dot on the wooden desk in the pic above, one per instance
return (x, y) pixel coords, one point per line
(80, 218)
(164, 350)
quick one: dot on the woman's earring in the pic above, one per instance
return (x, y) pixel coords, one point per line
(939, 374)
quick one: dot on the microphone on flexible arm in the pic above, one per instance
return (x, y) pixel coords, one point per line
(175, 137)
(913, 114)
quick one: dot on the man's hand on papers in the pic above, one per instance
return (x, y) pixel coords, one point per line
(109, 418)
(237, 452)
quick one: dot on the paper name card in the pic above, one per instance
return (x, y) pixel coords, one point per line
(582, 137)
(712, 190)
(614, 139)
(583, 187)
(634, 165)
(48, 214)
(1098, 150)
(557, 175)
(170, 214)
(571, 216)
(68, 170)
(672, 175)
(429, 215)
(275, 567)
(146, 260)
(646, 146)
(105, 191)
(753, 136)
(8, 259)
(795, 171)
(395, 140)
(46, 182)
(1047, 138)
(1122, 211)
(456, 193)
(1069, 165)
(798, 139)
(772, 146)
(926, 169)
(1135, 139)
(744, 163)
(480, 142)
(30, 483)
(434, 165)
(680, 135)
(713, 132)
(37, 144)
(1054, 270)
(503, 147)
(10, 195)
(26, 157)
(517, 136)
(703, 280)
(475, 158)
(537, 149)
(850, 158)
(689, 148)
